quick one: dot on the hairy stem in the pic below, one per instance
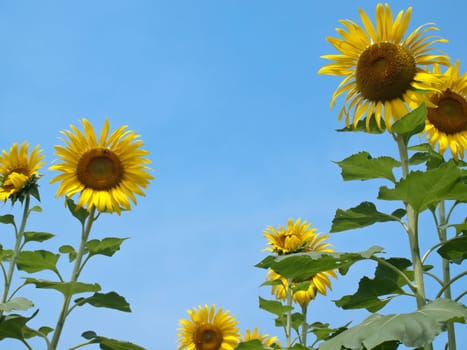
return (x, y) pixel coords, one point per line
(288, 325)
(304, 324)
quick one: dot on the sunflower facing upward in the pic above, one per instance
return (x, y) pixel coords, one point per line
(208, 330)
(381, 68)
(18, 172)
(446, 122)
(105, 172)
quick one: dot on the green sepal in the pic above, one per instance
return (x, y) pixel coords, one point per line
(414, 329)
(66, 288)
(302, 266)
(364, 214)
(109, 300)
(361, 166)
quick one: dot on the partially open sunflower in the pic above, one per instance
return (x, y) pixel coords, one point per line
(107, 172)
(382, 69)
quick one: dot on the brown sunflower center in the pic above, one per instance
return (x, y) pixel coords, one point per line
(451, 114)
(385, 71)
(100, 169)
(208, 337)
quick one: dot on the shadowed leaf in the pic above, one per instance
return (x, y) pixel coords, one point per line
(33, 236)
(109, 300)
(454, 250)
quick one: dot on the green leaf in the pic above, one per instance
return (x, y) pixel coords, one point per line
(45, 330)
(68, 249)
(20, 303)
(108, 343)
(273, 306)
(7, 219)
(362, 127)
(33, 236)
(433, 158)
(362, 166)
(323, 332)
(14, 326)
(414, 329)
(66, 288)
(296, 321)
(365, 214)
(422, 189)
(109, 300)
(385, 283)
(412, 123)
(254, 344)
(36, 208)
(5, 255)
(455, 249)
(108, 246)
(38, 260)
(80, 213)
(301, 266)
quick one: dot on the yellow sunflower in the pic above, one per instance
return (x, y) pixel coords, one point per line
(208, 330)
(265, 339)
(105, 172)
(382, 69)
(19, 172)
(446, 122)
(296, 237)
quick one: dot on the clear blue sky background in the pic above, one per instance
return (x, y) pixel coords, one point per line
(226, 97)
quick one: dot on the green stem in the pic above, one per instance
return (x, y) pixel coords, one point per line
(74, 278)
(17, 250)
(446, 272)
(304, 324)
(288, 324)
(448, 284)
(412, 226)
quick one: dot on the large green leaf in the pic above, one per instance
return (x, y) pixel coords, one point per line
(109, 300)
(108, 246)
(14, 326)
(66, 288)
(422, 189)
(80, 213)
(301, 266)
(273, 306)
(414, 329)
(455, 249)
(362, 166)
(362, 215)
(7, 219)
(37, 260)
(20, 303)
(108, 343)
(412, 123)
(385, 283)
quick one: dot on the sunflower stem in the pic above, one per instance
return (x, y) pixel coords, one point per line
(446, 272)
(19, 238)
(288, 324)
(412, 231)
(304, 324)
(86, 230)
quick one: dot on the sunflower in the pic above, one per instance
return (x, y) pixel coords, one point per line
(19, 172)
(105, 172)
(382, 69)
(296, 237)
(265, 339)
(208, 330)
(446, 122)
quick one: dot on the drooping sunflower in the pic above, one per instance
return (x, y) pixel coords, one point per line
(265, 339)
(446, 122)
(105, 172)
(382, 69)
(208, 329)
(19, 172)
(296, 237)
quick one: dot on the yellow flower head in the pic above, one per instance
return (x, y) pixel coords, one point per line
(296, 237)
(208, 330)
(19, 172)
(446, 122)
(265, 339)
(106, 172)
(382, 69)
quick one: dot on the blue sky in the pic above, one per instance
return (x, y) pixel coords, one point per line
(227, 99)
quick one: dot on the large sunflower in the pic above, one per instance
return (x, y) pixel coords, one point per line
(208, 330)
(19, 172)
(105, 172)
(296, 237)
(265, 339)
(446, 124)
(382, 70)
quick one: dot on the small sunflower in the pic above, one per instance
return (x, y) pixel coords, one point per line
(208, 330)
(382, 70)
(19, 172)
(105, 172)
(446, 122)
(296, 237)
(265, 339)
